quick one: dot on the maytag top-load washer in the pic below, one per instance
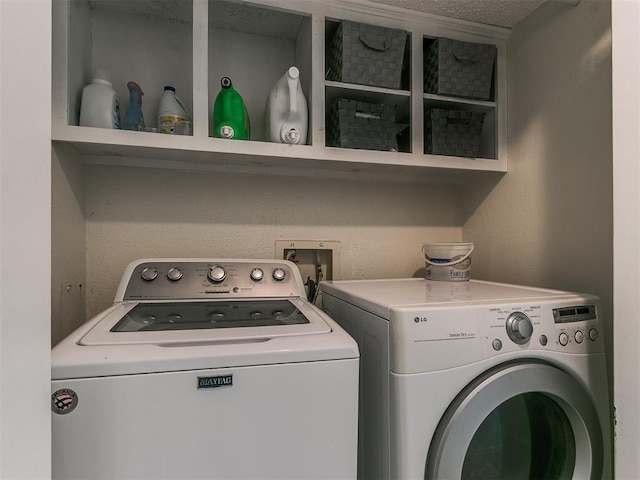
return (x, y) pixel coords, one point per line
(476, 380)
(206, 368)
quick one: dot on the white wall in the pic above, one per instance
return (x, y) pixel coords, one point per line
(626, 156)
(134, 213)
(549, 220)
(25, 255)
(68, 241)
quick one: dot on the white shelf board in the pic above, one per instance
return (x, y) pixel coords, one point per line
(120, 147)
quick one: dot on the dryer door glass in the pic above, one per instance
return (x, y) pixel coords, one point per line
(528, 436)
(520, 420)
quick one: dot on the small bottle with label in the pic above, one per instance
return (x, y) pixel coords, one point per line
(170, 111)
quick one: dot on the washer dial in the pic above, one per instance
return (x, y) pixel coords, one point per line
(217, 274)
(149, 274)
(174, 274)
(519, 328)
(278, 275)
(256, 274)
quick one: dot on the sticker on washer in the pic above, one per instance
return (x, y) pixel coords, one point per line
(215, 382)
(64, 401)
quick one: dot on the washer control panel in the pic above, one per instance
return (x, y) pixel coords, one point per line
(205, 279)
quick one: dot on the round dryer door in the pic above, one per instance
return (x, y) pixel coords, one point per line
(519, 421)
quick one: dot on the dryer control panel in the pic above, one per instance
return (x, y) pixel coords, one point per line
(437, 338)
(175, 279)
(572, 328)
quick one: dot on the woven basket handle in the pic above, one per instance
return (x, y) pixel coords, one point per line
(466, 58)
(459, 121)
(374, 41)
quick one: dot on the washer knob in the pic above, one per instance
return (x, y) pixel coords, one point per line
(174, 274)
(257, 274)
(593, 334)
(217, 274)
(149, 274)
(279, 275)
(519, 328)
(578, 336)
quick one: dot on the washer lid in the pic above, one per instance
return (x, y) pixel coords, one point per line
(189, 322)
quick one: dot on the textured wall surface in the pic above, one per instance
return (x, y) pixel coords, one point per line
(549, 221)
(134, 213)
(68, 242)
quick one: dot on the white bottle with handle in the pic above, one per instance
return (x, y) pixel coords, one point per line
(287, 115)
(171, 110)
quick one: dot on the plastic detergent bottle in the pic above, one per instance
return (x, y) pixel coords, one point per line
(170, 111)
(134, 120)
(287, 115)
(230, 116)
(99, 106)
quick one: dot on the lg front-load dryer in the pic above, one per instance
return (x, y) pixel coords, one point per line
(477, 380)
(206, 368)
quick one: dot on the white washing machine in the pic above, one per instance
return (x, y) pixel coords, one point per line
(206, 368)
(476, 380)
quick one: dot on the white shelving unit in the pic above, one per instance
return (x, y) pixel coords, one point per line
(190, 44)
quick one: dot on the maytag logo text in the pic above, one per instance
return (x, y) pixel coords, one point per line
(215, 382)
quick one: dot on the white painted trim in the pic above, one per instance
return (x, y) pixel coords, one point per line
(25, 239)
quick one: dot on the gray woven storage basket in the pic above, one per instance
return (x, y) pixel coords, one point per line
(453, 132)
(460, 69)
(366, 55)
(362, 125)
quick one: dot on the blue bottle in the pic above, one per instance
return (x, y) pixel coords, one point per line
(134, 119)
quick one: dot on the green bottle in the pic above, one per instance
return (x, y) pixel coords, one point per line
(230, 116)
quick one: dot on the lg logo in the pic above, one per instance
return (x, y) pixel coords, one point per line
(420, 319)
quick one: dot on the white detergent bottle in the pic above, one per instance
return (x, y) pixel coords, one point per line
(287, 115)
(170, 111)
(99, 106)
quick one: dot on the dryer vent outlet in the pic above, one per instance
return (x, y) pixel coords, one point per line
(316, 259)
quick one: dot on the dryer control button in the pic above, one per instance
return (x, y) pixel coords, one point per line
(593, 334)
(497, 344)
(563, 339)
(543, 340)
(149, 274)
(578, 336)
(519, 328)
(217, 274)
